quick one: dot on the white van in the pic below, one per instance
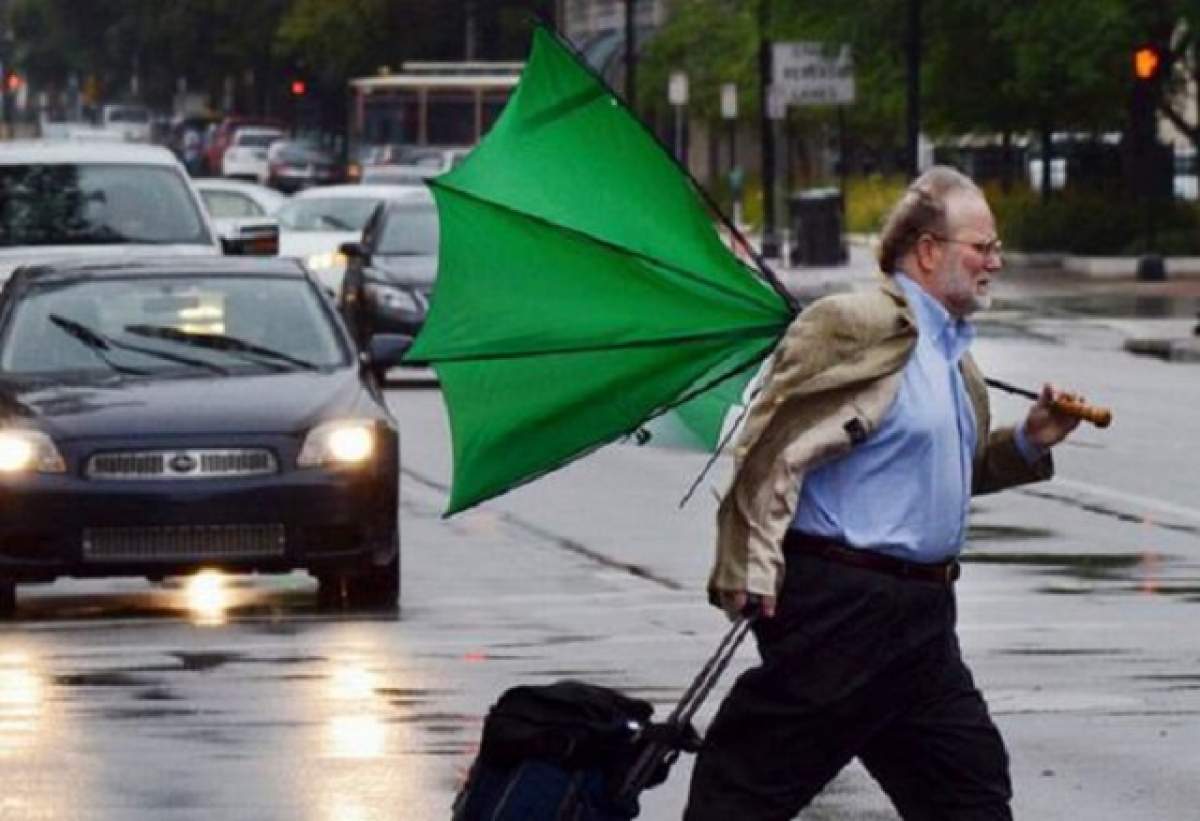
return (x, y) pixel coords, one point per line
(132, 122)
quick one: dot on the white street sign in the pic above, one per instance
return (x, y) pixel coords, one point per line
(677, 88)
(729, 101)
(811, 74)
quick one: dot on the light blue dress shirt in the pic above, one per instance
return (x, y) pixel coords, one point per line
(905, 490)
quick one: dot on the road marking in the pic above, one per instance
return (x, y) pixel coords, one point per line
(1123, 496)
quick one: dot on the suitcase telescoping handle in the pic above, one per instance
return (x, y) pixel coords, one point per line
(660, 753)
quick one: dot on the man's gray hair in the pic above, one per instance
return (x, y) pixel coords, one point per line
(922, 210)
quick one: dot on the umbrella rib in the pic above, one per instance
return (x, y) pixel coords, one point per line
(598, 347)
(612, 246)
(586, 449)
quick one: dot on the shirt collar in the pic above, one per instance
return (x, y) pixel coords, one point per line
(950, 335)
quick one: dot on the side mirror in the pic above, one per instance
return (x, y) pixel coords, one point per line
(250, 237)
(386, 351)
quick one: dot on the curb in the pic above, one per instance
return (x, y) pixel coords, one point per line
(1172, 350)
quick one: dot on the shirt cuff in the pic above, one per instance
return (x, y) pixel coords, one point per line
(1029, 451)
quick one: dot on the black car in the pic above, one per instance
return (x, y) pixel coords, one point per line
(161, 416)
(293, 166)
(390, 273)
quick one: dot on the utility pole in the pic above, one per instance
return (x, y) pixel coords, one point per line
(770, 244)
(630, 55)
(469, 35)
(912, 52)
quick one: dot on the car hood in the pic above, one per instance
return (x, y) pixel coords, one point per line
(13, 258)
(258, 403)
(406, 269)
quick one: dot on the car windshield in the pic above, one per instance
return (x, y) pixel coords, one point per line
(81, 204)
(257, 139)
(127, 115)
(167, 325)
(396, 175)
(300, 153)
(327, 213)
(410, 230)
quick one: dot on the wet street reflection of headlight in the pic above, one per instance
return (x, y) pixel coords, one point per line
(22, 698)
(360, 735)
(208, 598)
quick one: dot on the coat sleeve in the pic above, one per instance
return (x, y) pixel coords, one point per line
(1001, 465)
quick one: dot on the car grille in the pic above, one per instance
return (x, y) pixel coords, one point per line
(183, 542)
(182, 464)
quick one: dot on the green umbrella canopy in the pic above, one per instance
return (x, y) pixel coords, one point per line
(581, 288)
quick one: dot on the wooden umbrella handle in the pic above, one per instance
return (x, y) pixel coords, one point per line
(1071, 406)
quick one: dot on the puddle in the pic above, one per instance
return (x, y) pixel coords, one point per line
(549, 641)
(1063, 651)
(139, 713)
(1007, 532)
(1125, 306)
(1087, 566)
(202, 662)
(103, 678)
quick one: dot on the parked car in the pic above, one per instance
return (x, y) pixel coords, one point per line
(227, 199)
(221, 137)
(160, 416)
(390, 272)
(246, 156)
(410, 165)
(293, 166)
(79, 198)
(131, 122)
(316, 222)
(237, 208)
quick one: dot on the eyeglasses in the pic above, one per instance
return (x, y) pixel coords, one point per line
(985, 248)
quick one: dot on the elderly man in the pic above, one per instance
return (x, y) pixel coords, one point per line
(845, 516)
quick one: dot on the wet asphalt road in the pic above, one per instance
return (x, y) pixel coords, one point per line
(125, 700)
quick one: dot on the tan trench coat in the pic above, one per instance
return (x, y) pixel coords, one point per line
(841, 360)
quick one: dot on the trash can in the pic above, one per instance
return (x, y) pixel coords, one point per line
(815, 220)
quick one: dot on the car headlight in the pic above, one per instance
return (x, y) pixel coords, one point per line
(326, 262)
(391, 298)
(343, 442)
(29, 451)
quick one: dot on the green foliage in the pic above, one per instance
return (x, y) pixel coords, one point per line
(868, 199)
(714, 42)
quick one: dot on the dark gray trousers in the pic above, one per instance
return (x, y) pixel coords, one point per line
(856, 663)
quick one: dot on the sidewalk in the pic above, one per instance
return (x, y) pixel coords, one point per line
(1174, 339)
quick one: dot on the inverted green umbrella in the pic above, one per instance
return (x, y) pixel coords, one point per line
(582, 288)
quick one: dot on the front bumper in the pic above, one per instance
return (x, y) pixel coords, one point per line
(316, 519)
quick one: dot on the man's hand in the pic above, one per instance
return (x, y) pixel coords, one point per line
(734, 603)
(1045, 426)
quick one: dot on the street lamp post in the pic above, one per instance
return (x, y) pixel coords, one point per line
(770, 243)
(677, 95)
(729, 114)
(630, 56)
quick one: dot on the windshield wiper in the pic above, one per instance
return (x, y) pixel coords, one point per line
(94, 342)
(218, 342)
(100, 343)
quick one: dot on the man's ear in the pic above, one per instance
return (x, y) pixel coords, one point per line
(925, 253)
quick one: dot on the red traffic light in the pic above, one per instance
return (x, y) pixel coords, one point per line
(12, 82)
(299, 87)
(1146, 63)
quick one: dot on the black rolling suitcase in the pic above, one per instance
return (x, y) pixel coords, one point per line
(571, 751)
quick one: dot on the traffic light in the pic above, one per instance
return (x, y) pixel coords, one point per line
(1147, 63)
(12, 82)
(299, 88)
